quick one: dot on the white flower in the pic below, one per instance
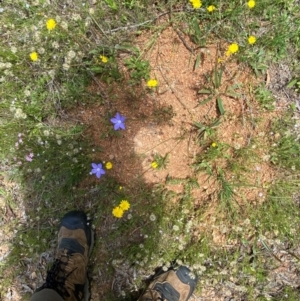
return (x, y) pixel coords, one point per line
(46, 133)
(66, 67)
(152, 217)
(76, 17)
(64, 25)
(8, 73)
(20, 114)
(91, 11)
(8, 65)
(27, 93)
(13, 49)
(179, 261)
(41, 50)
(37, 36)
(175, 228)
(55, 45)
(71, 54)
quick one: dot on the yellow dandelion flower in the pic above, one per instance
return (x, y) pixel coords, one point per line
(211, 8)
(51, 24)
(124, 205)
(152, 83)
(214, 144)
(104, 58)
(252, 40)
(118, 212)
(232, 48)
(120, 187)
(196, 3)
(108, 165)
(34, 56)
(251, 4)
(154, 164)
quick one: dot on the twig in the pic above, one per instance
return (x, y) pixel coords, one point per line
(184, 106)
(269, 250)
(140, 24)
(99, 27)
(103, 93)
(183, 41)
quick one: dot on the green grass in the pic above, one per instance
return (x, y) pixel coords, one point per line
(161, 226)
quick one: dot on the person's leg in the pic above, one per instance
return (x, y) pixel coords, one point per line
(67, 278)
(173, 285)
(46, 295)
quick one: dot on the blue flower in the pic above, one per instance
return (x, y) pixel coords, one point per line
(118, 122)
(98, 170)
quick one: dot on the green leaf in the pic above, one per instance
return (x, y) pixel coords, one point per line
(197, 62)
(232, 95)
(220, 106)
(200, 126)
(204, 91)
(215, 123)
(196, 27)
(112, 4)
(205, 101)
(292, 83)
(218, 77)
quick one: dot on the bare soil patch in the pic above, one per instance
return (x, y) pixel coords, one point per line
(172, 64)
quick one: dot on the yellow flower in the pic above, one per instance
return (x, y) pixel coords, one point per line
(34, 56)
(220, 60)
(211, 8)
(232, 48)
(118, 212)
(152, 83)
(120, 187)
(214, 144)
(104, 58)
(251, 40)
(51, 24)
(251, 3)
(108, 165)
(124, 205)
(154, 164)
(196, 3)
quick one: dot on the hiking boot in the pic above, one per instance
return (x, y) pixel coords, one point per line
(173, 285)
(68, 275)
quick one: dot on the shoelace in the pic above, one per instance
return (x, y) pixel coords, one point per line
(56, 277)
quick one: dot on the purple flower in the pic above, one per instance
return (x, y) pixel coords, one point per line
(29, 157)
(118, 122)
(98, 170)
